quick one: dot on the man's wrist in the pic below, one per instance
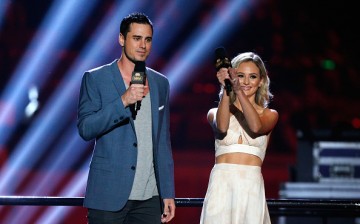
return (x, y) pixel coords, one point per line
(123, 101)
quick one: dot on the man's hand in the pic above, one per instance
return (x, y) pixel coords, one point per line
(169, 210)
(134, 93)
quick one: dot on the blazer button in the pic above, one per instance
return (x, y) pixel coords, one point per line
(133, 167)
(115, 121)
(135, 144)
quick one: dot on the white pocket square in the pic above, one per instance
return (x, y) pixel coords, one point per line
(162, 107)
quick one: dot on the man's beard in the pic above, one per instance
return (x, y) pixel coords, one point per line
(133, 60)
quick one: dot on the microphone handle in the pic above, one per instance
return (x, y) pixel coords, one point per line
(228, 86)
(137, 105)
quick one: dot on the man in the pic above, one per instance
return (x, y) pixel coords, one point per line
(131, 176)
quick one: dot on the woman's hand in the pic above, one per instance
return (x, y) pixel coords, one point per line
(222, 74)
(234, 80)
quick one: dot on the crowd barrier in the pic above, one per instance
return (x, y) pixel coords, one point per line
(277, 207)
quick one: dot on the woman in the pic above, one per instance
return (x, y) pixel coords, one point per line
(242, 124)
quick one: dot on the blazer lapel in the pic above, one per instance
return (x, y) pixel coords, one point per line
(154, 92)
(119, 85)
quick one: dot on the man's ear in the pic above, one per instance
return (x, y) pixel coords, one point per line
(121, 40)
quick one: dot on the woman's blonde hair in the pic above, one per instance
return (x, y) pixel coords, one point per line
(263, 94)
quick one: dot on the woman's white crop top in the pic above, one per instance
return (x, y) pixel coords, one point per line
(255, 146)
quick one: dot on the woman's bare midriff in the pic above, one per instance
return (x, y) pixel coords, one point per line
(239, 158)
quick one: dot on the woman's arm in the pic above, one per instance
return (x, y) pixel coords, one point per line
(223, 112)
(258, 123)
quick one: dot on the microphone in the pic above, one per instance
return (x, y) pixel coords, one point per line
(138, 77)
(222, 61)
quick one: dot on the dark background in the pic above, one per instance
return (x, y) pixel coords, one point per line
(310, 49)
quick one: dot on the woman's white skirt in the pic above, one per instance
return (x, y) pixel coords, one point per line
(235, 195)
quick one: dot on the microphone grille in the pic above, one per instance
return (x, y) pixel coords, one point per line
(139, 66)
(220, 52)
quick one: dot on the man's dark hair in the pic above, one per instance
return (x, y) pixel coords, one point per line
(136, 17)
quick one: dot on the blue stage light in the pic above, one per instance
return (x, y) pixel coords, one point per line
(195, 50)
(56, 32)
